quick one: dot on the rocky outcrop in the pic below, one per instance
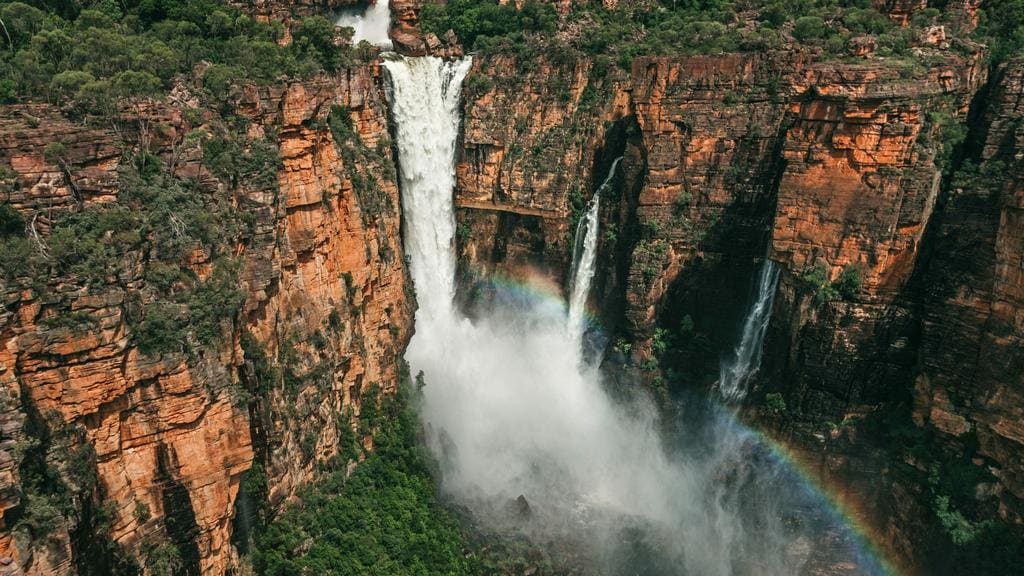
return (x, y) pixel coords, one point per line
(285, 12)
(168, 437)
(328, 262)
(410, 40)
(529, 137)
(859, 186)
(405, 27)
(710, 128)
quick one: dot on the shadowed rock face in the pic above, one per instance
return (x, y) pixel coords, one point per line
(323, 280)
(970, 377)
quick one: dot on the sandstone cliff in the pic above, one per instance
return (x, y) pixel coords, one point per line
(151, 448)
(969, 388)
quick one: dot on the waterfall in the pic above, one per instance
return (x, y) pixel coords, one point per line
(425, 103)
(370, 23)
(584, 256)
(734, 374)
(511, 414)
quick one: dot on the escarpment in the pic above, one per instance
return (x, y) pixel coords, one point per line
(126, 432)
(899, 293)
(207, 290)
(968, 390)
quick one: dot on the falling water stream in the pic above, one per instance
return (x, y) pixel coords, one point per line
(370, 23)
(584, 257)
(735, 373)
(512, 414)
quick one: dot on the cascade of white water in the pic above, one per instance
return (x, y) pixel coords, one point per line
(425, 102)
(584, 256)
(510, 411)
(370, 23)
(735, 373)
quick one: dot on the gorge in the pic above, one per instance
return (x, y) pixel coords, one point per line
(513, 412)
(553, 288)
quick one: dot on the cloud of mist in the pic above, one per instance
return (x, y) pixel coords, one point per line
(511, 410)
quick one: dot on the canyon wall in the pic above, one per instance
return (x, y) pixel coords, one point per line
(969, 379)
(529, 138)
(149, 449)
(899, 272)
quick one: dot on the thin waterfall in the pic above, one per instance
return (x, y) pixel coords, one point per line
(584, 256)
(370, 23)
(734, 374)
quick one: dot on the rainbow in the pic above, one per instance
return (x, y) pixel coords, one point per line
(528, 287)
(525, 286)
(844, 509)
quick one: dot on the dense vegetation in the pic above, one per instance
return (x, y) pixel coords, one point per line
(708, 27)
(383, 519)
(90, 56)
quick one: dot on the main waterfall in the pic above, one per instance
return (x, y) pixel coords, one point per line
(513, 416)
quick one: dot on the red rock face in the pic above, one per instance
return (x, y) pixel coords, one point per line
(858, 186)
(709, 127)
(525, 152)
(327, 253)
(170, 429)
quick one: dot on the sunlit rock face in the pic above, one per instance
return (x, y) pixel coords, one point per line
(323, 282)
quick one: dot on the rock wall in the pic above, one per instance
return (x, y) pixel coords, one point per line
(859, 186)
(831, 169)
(969, 379)
(524, 167)
(168, 437)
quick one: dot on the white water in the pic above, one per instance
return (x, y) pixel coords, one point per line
(370, 24)
(584, 256)
(734, 374)
(509, 409)
(425, 102)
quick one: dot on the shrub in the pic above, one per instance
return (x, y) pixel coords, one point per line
(215, 301)
(1002, 26)
(774, 403)
(67, 83)
(487, 23)
(315, 37)
(89, 244)
(816, 280)
(848, 284)
(11, 221)
(161, 330)
(951, 132)
(16, 257)
(163, 559)
(809, 28)
(960, 530)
